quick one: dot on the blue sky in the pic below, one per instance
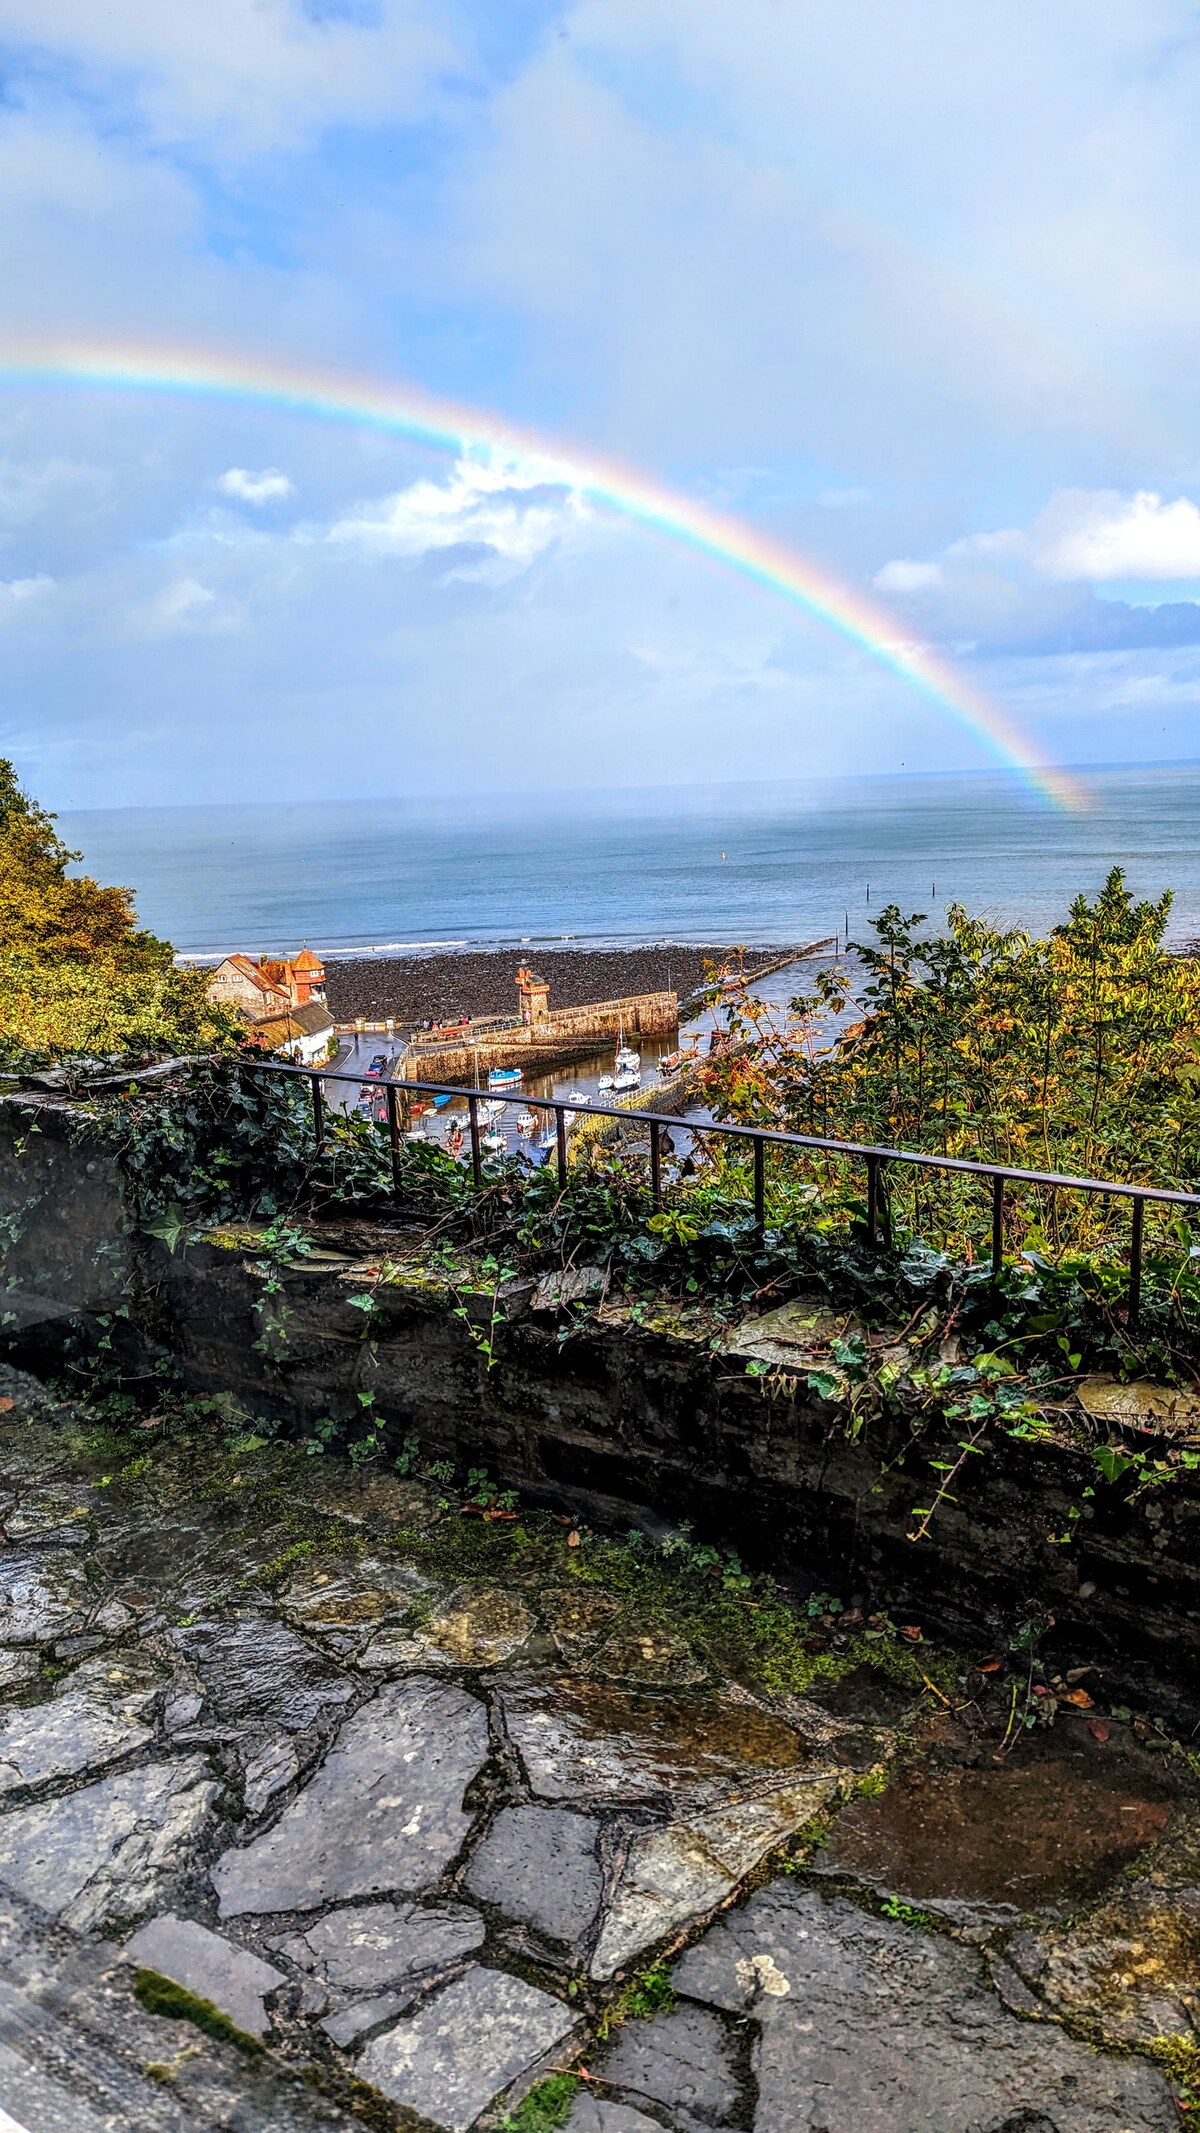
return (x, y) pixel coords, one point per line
(917, 290)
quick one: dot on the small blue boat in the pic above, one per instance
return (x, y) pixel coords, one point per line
(504, 1077)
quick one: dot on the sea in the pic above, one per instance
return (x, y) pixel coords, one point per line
(756, 862)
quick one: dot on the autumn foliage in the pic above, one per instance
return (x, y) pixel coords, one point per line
(77, 974)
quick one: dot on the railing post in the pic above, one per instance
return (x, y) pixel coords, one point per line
(760, 1187)
(872, 1199)
(655, 1166)
(393, 1119)
(1135, 1262)
(560, 1134)
(318, 1105)
(476, 1150)
(997, 1227)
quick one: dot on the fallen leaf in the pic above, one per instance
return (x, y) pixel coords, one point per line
(572, 1538)
(1040, 1689)
(492, 1512)
(990, 1666)
(1080, 1698)
(910, 1630)
(6, 1405)
(1099, 1728)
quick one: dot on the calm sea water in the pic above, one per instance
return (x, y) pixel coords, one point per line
(762, 862)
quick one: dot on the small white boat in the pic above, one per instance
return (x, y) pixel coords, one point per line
(577, 1096)
(489, 1113)
(628, 1078)
(495, 1143)
(526, 1123)
(416, 1133)
(505, 1077)
(628, 1062)
(606, 1082)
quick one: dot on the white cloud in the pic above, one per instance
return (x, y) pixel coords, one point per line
(14, 592)
(510, 507)
(902, 576)
(244, 74)
(183, 608)
(1100, 535)
(250, 488)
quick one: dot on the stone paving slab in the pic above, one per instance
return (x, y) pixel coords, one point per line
(367, 1946)
(467, 2046)
(867, 2025)
(678, 1874)
(109, 1850)
(540, 1866)
(383, 1813)
(686, 2061)
(211, 1967)
(253, 1667)
(477, 1627)
(589, 1741)
(42, 1596)
(72, 1733)
(594, 2114)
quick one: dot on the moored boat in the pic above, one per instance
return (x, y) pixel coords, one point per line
(505, 1077)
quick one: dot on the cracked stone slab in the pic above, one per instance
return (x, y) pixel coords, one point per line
(578, 1621)
(684, 2060)
(647, 1658)
(540, 1866)
(73, 1732)
(329, 1594)
(466, 2047)
(108, 1851)
(54, 1508)
(42, 1597)
(367, 1498)
(211, 1967)
(592, 1741)
(680, 1873)
(16, 1668)
(253, 1667)
(593, 2114)
(870, 2026)
(368, 1946)
(481, 1626)
(269, 1767)
(383, 1813)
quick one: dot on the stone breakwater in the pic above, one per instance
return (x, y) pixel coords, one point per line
(410, 988)
(295, 1820)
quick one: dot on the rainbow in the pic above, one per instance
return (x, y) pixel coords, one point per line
(408, 412)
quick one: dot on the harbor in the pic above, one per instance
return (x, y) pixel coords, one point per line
(595, 1053)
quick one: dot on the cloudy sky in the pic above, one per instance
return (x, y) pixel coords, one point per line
(915, 290)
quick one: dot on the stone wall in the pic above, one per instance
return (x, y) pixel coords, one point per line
(627, 1423)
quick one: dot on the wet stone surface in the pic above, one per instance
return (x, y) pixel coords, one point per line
(383, 1812)
(1051, 1829)
(421, 1830)
(584, 1740)
(868, 2026)
(480, 1627)
(467, 2045)
(232, 1980)
(541, 1866)
(112, 1849)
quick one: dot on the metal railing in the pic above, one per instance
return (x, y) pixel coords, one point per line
(761, 1138)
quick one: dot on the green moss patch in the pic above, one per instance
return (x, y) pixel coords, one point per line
(161, 1996)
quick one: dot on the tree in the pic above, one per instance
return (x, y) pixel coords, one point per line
(77, 973)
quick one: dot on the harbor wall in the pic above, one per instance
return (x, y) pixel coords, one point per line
(565, 1033)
